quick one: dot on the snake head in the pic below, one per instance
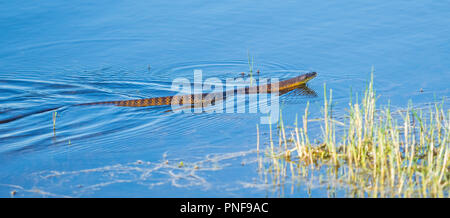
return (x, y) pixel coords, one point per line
(310, 76)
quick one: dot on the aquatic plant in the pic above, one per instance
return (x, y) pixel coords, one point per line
(376, 153)
(250, 67)
(54, 119)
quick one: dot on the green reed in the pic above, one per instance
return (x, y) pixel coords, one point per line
(54, 120)
(250, 66)
(378, 153)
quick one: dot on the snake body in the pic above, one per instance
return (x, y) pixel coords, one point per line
(193, 99)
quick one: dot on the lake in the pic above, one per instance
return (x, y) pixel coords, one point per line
(57, 54)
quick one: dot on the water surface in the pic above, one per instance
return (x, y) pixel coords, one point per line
(58, 54)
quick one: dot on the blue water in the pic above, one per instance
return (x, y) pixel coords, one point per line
(62, 53)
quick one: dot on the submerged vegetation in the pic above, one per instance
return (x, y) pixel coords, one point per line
(372, 152)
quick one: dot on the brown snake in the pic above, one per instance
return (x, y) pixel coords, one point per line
(194, 99)
(283, 86)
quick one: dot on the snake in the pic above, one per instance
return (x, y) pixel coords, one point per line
(193, 99)
(280, 87)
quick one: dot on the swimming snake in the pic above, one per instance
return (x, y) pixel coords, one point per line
(195, 99)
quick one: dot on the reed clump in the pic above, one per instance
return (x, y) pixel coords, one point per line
(377, 153)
